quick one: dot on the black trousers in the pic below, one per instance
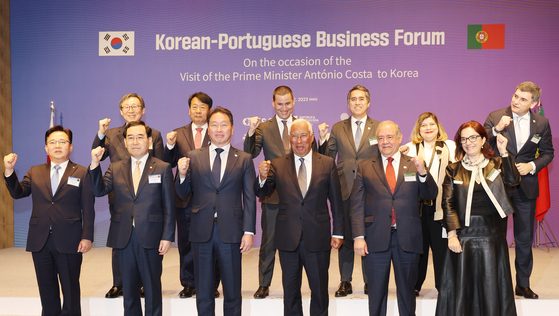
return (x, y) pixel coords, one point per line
(432, 237)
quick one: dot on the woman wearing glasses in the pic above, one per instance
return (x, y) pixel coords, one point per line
(476, 277)
(429, 140)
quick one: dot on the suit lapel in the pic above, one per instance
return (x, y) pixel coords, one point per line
(46, 176)
(368, 131)
(404, 168)
(349, 133)
(149, 168)
(232, 159)
(315, 170)
(127, 172)
(379, 169)
(290, 166)
(509, 133)
(533, 127)
(187, 132)
(70, 169)
(276, 137)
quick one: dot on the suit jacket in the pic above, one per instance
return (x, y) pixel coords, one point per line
(539, 126)
(342, 143)
(308, 216)
(457, 182)
(267, 137)
(70, 211)
(184, 144)
(233, 199)
(372, 201)
(152, 209)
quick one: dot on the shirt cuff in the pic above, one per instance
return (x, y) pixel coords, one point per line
(533, 172)
(363, 237)
(101, 136)
(182, 179)
(170, 147)
(337, 236)
(261, 182)
(249, 233)
(322, 141)
(422, 179)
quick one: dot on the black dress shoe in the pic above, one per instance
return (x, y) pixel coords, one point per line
(188, 291)
(142, 293)
(216, 294)
(262, 292)
(526, 292)
(344, 289)
(366, 289)
(114, 292)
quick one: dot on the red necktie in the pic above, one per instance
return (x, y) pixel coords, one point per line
(198, 138)
(391, 178)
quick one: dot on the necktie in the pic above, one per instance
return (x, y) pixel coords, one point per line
(391, 178)
(54, 179)
(216, 169)
(198, 138)
(358, 135)
(136, 176)
(518, 132)
(284, 137)
(302, 177)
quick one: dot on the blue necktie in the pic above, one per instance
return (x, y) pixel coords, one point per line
(216, 169)
(54, 179)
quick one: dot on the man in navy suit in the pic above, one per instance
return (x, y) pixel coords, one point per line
(385, 219)
(143, 222)
(527, 133)
(179, 142)
(305, 181)
(218, 180)
(62, 220)
(132, 108)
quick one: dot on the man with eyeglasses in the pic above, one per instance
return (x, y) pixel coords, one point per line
(143, 222)
(179, 142)
(272, 137)
(62, 220)
(352, 140)
(302, 234)
(528, 133)
(132, 108)
(385, 221)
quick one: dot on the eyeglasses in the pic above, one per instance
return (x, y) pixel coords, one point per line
(60, 141)
(130, 107)
(472, 139)
(302, 136)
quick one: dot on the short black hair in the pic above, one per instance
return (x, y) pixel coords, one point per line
(204, 98)
(58, 128)
(223, 111)
(137, 123)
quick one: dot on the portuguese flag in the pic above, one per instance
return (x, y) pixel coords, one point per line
(486, 36)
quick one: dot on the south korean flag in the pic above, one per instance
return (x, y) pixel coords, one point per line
(116, 43)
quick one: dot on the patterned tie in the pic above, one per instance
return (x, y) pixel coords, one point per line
(358, 135)
(518, 132)
(198, 138)
(302, 177)
(137, 175)
(285, 137)
(216, 169)
(54, 179)
(391, 178)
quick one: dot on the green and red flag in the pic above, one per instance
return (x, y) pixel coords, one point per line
(486, 36)
(543, 203)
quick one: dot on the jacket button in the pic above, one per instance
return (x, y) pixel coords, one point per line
(49, 217)
(393, 198)
(217, 192)
(302, 203)
(135, 202)
(52, 203)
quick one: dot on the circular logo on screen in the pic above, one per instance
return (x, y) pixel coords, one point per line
(116, 43)
(481, 37)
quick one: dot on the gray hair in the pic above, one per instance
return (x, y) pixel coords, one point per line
(303, 121)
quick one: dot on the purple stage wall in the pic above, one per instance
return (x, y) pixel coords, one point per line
(412, 55)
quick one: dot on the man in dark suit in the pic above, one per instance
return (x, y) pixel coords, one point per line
(352, 140)
(62, 220)
(218, 180)
(179, 142)
(272, 136)
(385, 219)
(143, 221)
(305, 182)
(527, 133)
(132, 108)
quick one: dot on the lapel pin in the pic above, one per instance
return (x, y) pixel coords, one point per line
(405, 167)
(151, 167)
(235, 155)
(534, 121)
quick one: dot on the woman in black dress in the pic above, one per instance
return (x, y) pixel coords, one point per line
(477, 278)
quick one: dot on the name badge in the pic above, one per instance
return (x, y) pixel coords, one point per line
(458, 182)
(536, 139)
(373, 141)
(409, 177)
(74, 181)
(493, 174)
(154, 178)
